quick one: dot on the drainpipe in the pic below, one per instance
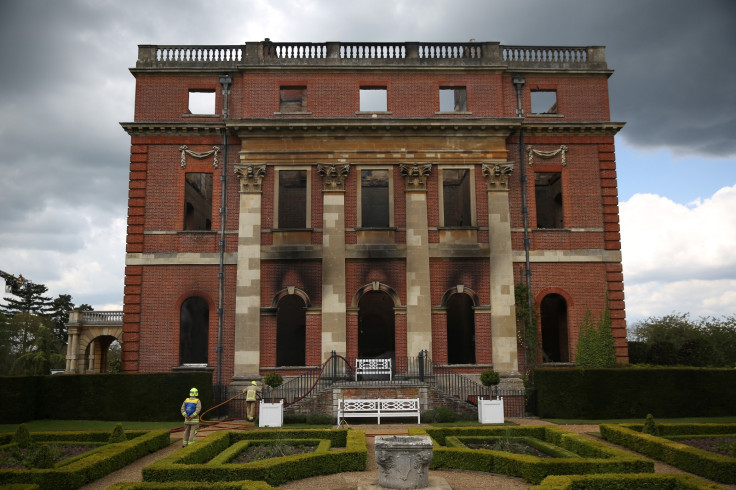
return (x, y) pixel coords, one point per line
(519, 84)
(226, 81)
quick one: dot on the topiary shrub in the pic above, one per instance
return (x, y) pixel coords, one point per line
(273, 380)
(22, 437)
(650, 427)
(44, 457)
(118, 435)
(490, 378)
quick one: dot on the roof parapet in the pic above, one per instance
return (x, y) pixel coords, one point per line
(352, 54)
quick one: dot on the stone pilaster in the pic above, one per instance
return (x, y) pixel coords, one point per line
(334, 316)
(418, 294)
(248, 282)
(503, 309)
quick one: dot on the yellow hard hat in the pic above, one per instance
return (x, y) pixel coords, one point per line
(254, 382)
(194, 392)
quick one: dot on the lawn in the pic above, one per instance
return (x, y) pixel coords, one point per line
(686, 420)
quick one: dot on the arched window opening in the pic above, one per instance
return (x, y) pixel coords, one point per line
(553, 311)
(291, 331)
(194, 331)
(376, 326)
(460, 330)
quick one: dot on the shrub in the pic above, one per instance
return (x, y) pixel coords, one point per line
(44, 457)
(650, 427)
(22, 437)
(118, 435)
(320, 419)
(490, 378)
(440, 414)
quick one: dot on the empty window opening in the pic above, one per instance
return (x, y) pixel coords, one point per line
(553, 314)
(198, 201)
(376, 326)
(201, 101)
(548, 194)
(292, 199)
(460, 330)
(291, 331)
(456, 197)
(194, 331)
(293, 99)
(374, 195)
(544, 102)
(453, 99)
(373, 99)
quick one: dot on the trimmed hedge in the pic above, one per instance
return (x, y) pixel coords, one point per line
(634, 392)
(139, 397)
(687, 458)
(204, 461)
(193, 485)
(91, 465)
(594, 456)
(625, 482)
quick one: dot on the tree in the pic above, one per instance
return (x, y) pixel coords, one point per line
(30, 300)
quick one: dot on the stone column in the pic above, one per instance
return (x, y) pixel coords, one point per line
(334, 314)
(248, 279)
(71, 350)
(503, 304)
(418, 297)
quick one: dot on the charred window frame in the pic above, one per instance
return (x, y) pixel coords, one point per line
(194, 320)
(201, 101)
(376, 207)
(544, 101)
(198, 201)
(293, 200)
(292, 99)
(453, 99)
(457, 197)
(373, 99)
(548, 196)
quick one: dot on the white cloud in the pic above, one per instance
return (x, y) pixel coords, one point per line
(678, 257)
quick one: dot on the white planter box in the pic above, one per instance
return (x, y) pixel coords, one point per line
(271, 414)
(490, 411)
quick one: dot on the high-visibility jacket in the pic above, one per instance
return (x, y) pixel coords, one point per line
(191, 408)
(252, 393)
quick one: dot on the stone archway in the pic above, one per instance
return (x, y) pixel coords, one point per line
(90, 336)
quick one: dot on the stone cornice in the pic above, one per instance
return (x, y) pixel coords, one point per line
(173, 128)
(553, 128)
(378, 126)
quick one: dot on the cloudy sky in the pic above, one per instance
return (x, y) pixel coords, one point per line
(65, 86)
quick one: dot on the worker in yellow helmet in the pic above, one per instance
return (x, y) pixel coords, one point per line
(190, 410)
(252, 393)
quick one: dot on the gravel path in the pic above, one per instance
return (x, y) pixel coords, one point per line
(457, 479)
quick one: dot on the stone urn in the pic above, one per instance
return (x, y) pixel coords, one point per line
(403, 461)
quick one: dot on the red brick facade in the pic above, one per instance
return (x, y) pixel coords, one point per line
(578, 262)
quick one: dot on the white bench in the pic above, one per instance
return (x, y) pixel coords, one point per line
(378, 407)
(373, 366)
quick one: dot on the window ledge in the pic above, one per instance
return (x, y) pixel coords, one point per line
(193, 367)
(544, 115)
(300, 113)
(211, 116)
(453, 113)
(368, 113)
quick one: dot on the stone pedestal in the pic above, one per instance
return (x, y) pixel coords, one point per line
(403, 461)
